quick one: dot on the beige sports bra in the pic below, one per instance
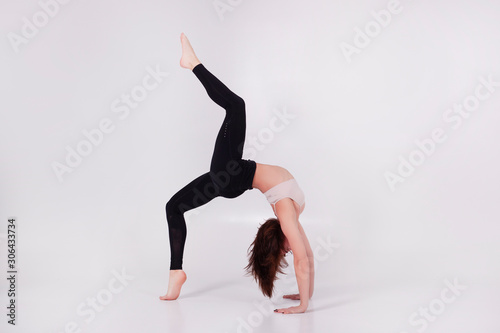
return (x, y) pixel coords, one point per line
(287, 189)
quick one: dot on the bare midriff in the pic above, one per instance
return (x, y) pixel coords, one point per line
(267, 176)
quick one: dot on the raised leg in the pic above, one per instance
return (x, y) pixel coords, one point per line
(231, 137)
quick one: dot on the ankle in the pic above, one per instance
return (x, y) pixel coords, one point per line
(194, 64)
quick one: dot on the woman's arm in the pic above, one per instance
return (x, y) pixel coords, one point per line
(310, 256)
(290, 226)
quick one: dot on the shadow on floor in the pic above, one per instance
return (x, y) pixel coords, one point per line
(209, 288)
(335, 304)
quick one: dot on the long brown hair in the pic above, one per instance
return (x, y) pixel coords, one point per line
(266, 255)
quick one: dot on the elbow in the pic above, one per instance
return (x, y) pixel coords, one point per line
(302, 267)
(302, 261)
(311, 261)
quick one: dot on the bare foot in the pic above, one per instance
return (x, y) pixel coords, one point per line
(188, 59)
(175, 281)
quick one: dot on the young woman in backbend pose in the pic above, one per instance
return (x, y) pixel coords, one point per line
(229, 177)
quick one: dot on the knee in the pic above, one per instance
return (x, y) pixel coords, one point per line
(173, 209)
(170, 209)
(237, 103)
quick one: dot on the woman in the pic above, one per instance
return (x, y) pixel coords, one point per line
(229, 177)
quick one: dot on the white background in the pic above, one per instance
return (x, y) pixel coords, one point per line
(353, 120)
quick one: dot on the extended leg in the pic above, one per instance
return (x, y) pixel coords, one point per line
(231, 137)
(232, 174)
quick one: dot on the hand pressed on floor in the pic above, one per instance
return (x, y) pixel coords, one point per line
(295, 297)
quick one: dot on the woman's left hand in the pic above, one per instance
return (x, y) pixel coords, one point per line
(293, 296)
(292, 309)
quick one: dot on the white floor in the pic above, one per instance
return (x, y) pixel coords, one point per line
(356, 291)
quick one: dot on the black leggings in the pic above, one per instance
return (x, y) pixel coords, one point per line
(229, 174)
